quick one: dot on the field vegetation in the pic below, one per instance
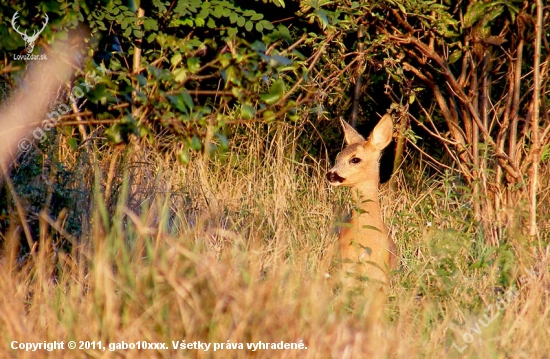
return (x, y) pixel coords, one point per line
(182, 201)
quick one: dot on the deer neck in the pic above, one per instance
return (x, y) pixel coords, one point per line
(365, 196)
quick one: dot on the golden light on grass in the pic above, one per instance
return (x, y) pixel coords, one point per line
(237, 251)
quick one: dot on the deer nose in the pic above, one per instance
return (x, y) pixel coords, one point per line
(334, 177)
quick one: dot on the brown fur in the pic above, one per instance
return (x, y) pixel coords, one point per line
(365, 242)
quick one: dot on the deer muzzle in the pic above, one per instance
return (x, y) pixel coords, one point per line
(334, 178)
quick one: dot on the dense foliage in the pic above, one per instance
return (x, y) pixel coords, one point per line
(459, 77)
(180, 195)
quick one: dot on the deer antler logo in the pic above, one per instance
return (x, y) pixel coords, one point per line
(29, 40)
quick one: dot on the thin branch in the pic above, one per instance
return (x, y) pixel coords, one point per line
(358, 79)
(439, 164)
(535, 149)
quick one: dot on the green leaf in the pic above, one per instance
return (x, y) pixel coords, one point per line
(293, 116)
(258, 46)
(73, 143)
(115, 64)
(344, 224)
(267, 25)
(241, 21)
(247, 112)
(396, 78)
(150, 24)
(237, 92)
(183, 156)
(455, 56)
(278, 87)
(211, 23)
(248, 26)
(475, 12)
(195, 144)
(226, 12)
(142, 80)
(180, 75)
(270, 99)
(225, 59)
(269, 116)
(218, 11)
(275, 92)
(193, 64)
(366, 226)
(178, 102)
(323, 18)
(278, 60)
(98, 94)
(176, 59)
(545, 153)
(199, 22)
(231, 75)
(188, 100)
(233, 18)
(401, 7)
(256, 17)
(224, 142)
(283, 31)
(114, 135)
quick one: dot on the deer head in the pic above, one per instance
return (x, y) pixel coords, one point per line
(358, 162)
(29, 40)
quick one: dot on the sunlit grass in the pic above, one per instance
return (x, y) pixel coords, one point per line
(240, 250)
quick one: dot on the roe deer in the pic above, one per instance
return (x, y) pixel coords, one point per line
(365, 240)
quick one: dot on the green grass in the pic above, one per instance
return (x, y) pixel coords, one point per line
(241, 250)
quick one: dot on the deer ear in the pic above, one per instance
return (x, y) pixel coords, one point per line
(382, 134)
(350, 135)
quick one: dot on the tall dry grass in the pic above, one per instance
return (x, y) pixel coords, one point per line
(239, 249)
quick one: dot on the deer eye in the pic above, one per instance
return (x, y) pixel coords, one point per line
(355, 160)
